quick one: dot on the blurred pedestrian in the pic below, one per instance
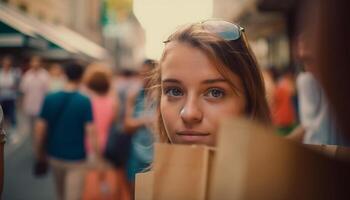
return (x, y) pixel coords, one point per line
(98, 81)
(326, 55)
(283, 109)
(34, 86)
(65, 121)
(126, 79)
(118, 153)
(9, 83)
(317, 121)
(57, 79)
(137, 120)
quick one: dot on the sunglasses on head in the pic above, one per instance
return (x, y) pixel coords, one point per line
(226, 30)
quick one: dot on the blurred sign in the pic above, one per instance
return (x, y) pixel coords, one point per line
(114, 11)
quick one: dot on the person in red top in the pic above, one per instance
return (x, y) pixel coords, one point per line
(283, 111)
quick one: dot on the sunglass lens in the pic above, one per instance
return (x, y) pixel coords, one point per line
(226, 30)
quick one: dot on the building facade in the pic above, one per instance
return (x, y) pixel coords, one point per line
(82, 16)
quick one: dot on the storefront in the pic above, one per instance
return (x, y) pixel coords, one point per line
(24, 35)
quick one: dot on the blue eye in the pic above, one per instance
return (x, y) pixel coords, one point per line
(215, 93)
(173, 92)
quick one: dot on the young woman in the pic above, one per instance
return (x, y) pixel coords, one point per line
(207, 72)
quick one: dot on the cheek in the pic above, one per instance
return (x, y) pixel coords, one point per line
(231, 108)
(236, 109)
(168, 114)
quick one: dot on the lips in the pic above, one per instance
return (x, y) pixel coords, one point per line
(192, 133)
(193, 136)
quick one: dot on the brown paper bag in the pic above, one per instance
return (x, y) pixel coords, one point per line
(144, 186)
(179, 172)
(252, 163)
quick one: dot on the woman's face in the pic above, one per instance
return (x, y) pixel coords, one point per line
(195, 96)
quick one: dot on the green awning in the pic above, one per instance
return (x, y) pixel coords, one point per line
(18, 29)
(14, 32)
(10, 37)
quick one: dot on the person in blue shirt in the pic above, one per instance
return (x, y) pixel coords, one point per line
(64, 123)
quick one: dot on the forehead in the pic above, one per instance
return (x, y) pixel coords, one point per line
(182, 60)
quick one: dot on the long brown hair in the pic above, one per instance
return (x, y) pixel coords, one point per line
(229, 57)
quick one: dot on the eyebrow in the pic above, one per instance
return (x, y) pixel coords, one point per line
(208, 81)
(170, 80)
(215, 80)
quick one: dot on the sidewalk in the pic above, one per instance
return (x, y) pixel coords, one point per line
(19, 182)
(16, 137)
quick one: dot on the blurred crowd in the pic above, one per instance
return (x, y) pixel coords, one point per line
(111, 140)
(101, 113)
(106, 121)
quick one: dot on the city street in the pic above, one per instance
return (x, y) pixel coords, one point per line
(185, 99)
(19, 182)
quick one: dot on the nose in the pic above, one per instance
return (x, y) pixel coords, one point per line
(191, 113)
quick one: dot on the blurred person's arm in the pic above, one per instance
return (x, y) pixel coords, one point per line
(309, 97)
(116, 102)
(90, 132)
(90, 129)
(132, 123)
(40, 132)
(116, 107)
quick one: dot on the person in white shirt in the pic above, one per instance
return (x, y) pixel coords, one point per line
(34, 86)
(9, 80)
